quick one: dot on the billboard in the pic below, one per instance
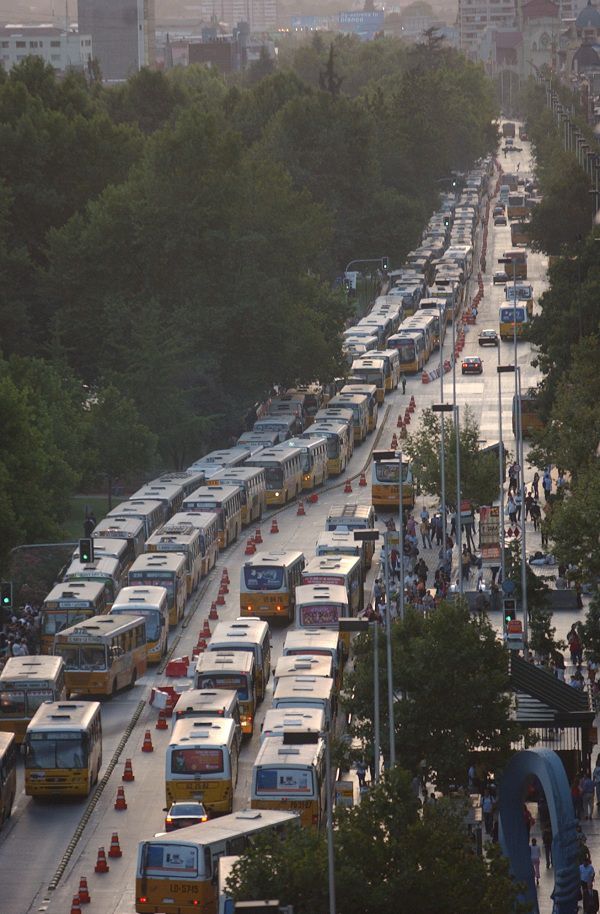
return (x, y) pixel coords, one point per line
(489, 534)
(366, 24)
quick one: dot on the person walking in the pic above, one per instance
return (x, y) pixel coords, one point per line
(547, 484)
(361, 774)
(425, 534)
(403, 382)
(89, 524)
(596, 780)
(535, 853)
(587, 874)
(587, 795)
(535, 485)
(487, 809)
(577, 797)
(511, 509)
(575, 645)
(512, 478)
(535, 513)
(547, 842)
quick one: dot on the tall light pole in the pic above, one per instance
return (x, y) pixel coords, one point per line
(450, 408)
(501, 465)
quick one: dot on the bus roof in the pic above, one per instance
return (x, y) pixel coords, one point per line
(224, 457)
(362, 388)
(173, 534)
(268, 455)
(273, 558)
(321, 593)
(107, 546)
(341, 539)
(118, 528)
(219, 731)
(105, 565)
(242, 631)
(304, 665)
(79, 591)
(136, 506)
(209, 701)
(158, 491)
(142, 595)
(331, 564)
(31, 669)
(216, 493)
(304, 443)
(220, 660)
(273, 751)
(234, 475)
(214, 831)
(325, 427)
(309, 687)
(159, 561)
(98, 628)
(350, 512)
(199, 521)
(306, 638)
(64, 715)
(279, 719)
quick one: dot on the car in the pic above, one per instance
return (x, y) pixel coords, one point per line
(500, 220)
(499, 278)
(498, 210)
(488, 338)
(180, 815)
(472, 364)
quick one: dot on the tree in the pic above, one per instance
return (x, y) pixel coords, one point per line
(329, 80)
(449, 653)
(261, 68)
(574, 525)
(478, 470)
(591, 629)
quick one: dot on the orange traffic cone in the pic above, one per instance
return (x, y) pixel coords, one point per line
(300, 512)
(274, 527)
(206, 629)
(225, 577)
(407, 418)
(213, 614)
(220, 601)
(101, 864)
(258, 536)
(84, 894)
(147, 744)
(200, 645)
(161, 724)
(348, 487)
(250, 548)
(363, 480)
(128, 772)
(224, 585)
(399, 423)
(412, 405)
(120, 802)
(75, 905)
(115, 847)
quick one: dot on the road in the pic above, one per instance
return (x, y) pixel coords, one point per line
(34, 842)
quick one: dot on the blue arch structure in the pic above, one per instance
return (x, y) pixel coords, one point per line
(548, 768)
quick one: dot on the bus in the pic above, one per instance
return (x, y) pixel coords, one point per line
(531, 420)
(307, 692)
(63, 749)
(103, 655)
(163, 569)
(130, 530)
(227, 670)
(188, 480)
(520, 233)
(321, 605)
(250, 635)
(517, 269)
(313, 397)
(520, 292)
(176, 872)
(370, 371)
(317, 642)
(151, 513)
(207, 525)
(298, 720)
(438, 330)
(359, 404)
(226, 502)
(67, 604)
(219, 460)
(391, 362)
(337, 436)
(385, 493)
(170, 494)
(291, 777)
(283, 472)
(450, 293)
(8, 775)
(411, 349)
(107, 547)
(210, 703)
(104, 569)
(25, 683)
(303, 665)
(267, 585)
(513, 320)
(253, 487)
(201, 763)
(183, 538)
(352, 516)
(345, 570)
(260, 440)
(517, 206)
(338, 415)
(153, 605)
(283, 425)
(314, 460)
(423, 325)
(225, 867)
(339, 543)
(370, 391)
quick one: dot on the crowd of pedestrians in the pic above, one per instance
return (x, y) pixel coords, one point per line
(21, 633)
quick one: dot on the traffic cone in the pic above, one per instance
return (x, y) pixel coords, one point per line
(75, 905)
(249, 550)
(206, 629)
(213, 614)
(224, 586)
(128, 772)
(115, 848)
(274, 527)
(412, 405)
(313, 498)
(199, 647)
(407, 418)
(348, 487)
(147, 744)
(84, 894)
(394, 440)
(120, 802)
(258, 536)
(363, 480)
(101, 864)
(225, 577)
(161, 724)
(220, 601)
(300, 512)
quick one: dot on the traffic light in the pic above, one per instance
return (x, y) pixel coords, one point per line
(86, 550)
(509, 610)
(6, 595)
(447, 221)
(385, 263)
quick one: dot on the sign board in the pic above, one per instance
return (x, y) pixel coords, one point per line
(361, 23)
(344, 793)
(489, 534)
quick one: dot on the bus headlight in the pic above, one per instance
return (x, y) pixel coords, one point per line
(277, 494)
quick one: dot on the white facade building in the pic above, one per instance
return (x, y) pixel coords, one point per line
(475, 16)
(62, 50)
(261, 15)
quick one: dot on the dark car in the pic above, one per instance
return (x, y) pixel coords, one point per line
(498, 210)
(500, 220)
(472, 365)
(488, 338)
(180, 815)
(500, 278)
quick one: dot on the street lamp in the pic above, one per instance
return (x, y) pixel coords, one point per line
(453, 408)
(507, 260)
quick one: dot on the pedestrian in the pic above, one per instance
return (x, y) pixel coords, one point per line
(487, 809)
(511, 509)
(587, 795)
(361, 774)
(465, 563)
(512, 478)
(411, 527)
(547, 842)
(575, 645)
(587, 874)
(535, 852)
(577, 798)
(544, 530)
(394, 564)
(528, 503)
(88, 524)
(425, 534)
(536, 485)
(596, 780)
(403, 382)
(528, 819)
(547, 484)
(535, 513)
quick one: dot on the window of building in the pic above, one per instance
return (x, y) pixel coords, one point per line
(6, 44)
(88, 42)
(55, 44)
(20, 44)
(33, 44)
(55, 56)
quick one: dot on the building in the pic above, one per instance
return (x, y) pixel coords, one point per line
(261, 15)
(63, 50)
(477, 16)
(123, 34)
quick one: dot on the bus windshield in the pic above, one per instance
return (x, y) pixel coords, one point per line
(388, 472)
(234, 681)
(90, 657)
(151, 617)
(56, 750)
(196, 761)
(55, 622)
(508, 315)
(12, 703)
(263, 578)
(274, 477)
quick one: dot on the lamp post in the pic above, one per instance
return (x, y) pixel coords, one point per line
(507, 260)
(501, 467)
(452, 408)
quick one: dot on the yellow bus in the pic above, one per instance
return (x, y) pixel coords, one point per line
(517, 269)
(337, 542)
(303, 665)
(369, 371)
(225, 502)
(250, 635)
(130, 530)
(176, 872)
(151, 513)
(438, 330)
(391, 361)
(513, 319)
(67, 604)
(345, 570)
(313, 397)
(321, 605)
(63, 749)
(188, 480)
(267, 585)
(292, 778)
(8, 775)
(202, 763)
(283, 473)
(103, 655)
(314, 460)
(385, 493)
(104, 569)
(338, 436)
(171, 494)
(370, 391)
(297, 720)
(411, 349)
(307, 692)
(317, 642)
(352, 516)
(183, 538)
(253, 486)
(163, 569)
(207, 525)
(228, 670)
(359, 404)
(25, 683)
(425, 325)
(153, 605)
(106, 547)
(210, 703)
(220, 460)
(517, 208)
